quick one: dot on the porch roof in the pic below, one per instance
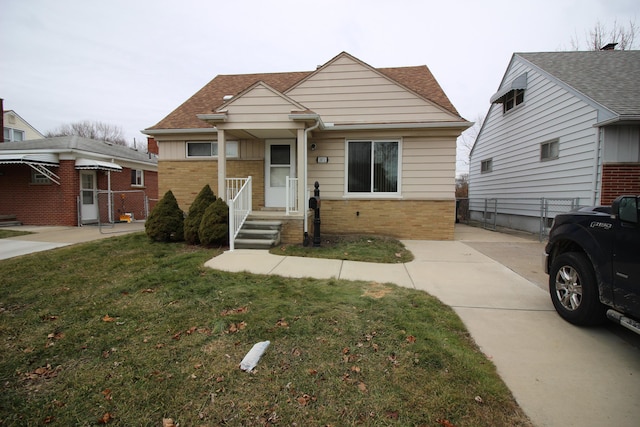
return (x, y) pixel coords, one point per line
(97, 164)
(45, 159)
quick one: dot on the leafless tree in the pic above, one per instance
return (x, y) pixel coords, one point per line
(95, 130)
(466, 140)
(600, 36)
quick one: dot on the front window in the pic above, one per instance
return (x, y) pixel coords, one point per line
(137, 177)
(372, 166)
(39, 178)
(210, 149)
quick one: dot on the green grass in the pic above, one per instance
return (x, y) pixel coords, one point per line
(12, 233)
(128, 332)
(351, 248)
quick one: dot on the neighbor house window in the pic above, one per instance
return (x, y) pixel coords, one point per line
(11, 134)
(137, 177)
(39, 178)
(486, 166)
(512, 99)
(549, 150)
(210, 149)
(373, 166)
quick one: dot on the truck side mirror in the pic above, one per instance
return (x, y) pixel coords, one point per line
(626, 208)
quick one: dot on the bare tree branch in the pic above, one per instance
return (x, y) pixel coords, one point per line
(94, 130)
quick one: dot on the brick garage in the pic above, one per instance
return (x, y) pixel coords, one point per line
(619, 179)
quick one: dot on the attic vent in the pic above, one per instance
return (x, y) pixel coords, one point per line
(227, 97)
(610, 46)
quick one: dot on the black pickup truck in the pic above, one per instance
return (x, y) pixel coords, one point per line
(593, 262)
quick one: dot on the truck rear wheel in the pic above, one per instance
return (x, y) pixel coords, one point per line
(574, 290)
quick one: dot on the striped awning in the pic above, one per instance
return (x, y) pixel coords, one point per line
(45, 159)
(97, 164)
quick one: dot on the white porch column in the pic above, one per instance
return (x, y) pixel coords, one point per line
(301, 149)
(222, 165)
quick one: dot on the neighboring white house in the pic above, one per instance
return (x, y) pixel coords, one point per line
(15, 128)
(562, 130)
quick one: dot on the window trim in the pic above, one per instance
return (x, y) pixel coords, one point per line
(372, 194)
(513, 96)
(11, 135)
(139, 173)
(38, 178)
(550, 157)
(488, 162)
(231, 148)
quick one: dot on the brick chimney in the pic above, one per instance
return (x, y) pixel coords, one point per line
(2, 120)
(152, 146)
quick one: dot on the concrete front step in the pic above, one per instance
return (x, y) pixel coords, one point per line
(9, 223)
(259, 234)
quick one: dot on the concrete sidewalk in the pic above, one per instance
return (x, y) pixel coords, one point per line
(561, 375)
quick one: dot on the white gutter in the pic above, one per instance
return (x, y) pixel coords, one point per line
(383, 126)
(152, 132)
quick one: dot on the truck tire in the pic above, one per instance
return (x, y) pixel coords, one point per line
(574, 290)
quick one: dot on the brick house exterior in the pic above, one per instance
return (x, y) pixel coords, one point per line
(41, 181)
(381, 143)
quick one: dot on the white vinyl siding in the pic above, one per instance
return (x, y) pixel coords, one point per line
(513, 143)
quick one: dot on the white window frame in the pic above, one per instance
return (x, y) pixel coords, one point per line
(550, 150)
(139, 178)
(232, 149)
(372, 194)
(515, 95)
(10, 134)
(486, 165)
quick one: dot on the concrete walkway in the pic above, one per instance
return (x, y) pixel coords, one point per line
(561, 375)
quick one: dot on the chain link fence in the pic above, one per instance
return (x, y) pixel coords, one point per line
(534, 215)
(123, 207)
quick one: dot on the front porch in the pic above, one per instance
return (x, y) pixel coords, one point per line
(267, 226)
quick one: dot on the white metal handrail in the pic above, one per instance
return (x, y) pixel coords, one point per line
(239, 193)
(291, 204)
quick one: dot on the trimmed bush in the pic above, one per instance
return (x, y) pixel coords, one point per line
(214, 227)
(166, 221)
(196, 211)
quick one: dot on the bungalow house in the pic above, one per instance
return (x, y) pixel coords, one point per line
(562, 131)
(72, 181)
(380, 142)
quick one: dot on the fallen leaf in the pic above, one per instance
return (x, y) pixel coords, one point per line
(312, 372)
(191, 330)
(108, 318)
(392, 415)
(147, 291)
(282, 323)
(411, 339)
(398, 255)
(355, 369)
(231, 311)
(168, 422)
(107, 394)
(105, 418)
(48, 419)
(444, 423)
(362, 387)
(176, 336)
(478, 399)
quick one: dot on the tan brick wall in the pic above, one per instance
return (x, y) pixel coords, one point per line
(186, 179)
(403, 219)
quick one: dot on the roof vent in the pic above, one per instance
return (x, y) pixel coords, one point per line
(610, 46)
(227, 97)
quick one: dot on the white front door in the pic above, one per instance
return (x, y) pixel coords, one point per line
(88, 199)
(279, 163)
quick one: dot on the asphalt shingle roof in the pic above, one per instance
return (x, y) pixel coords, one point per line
(610, 77)
(417, 78)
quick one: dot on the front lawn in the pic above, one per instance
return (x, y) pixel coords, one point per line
(126, 332)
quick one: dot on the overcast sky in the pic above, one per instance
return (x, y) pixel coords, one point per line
(131, 62)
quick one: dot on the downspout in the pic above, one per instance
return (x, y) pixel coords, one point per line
(596, 166)
(305, 178)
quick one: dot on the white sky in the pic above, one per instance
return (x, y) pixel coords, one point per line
(131, 62)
